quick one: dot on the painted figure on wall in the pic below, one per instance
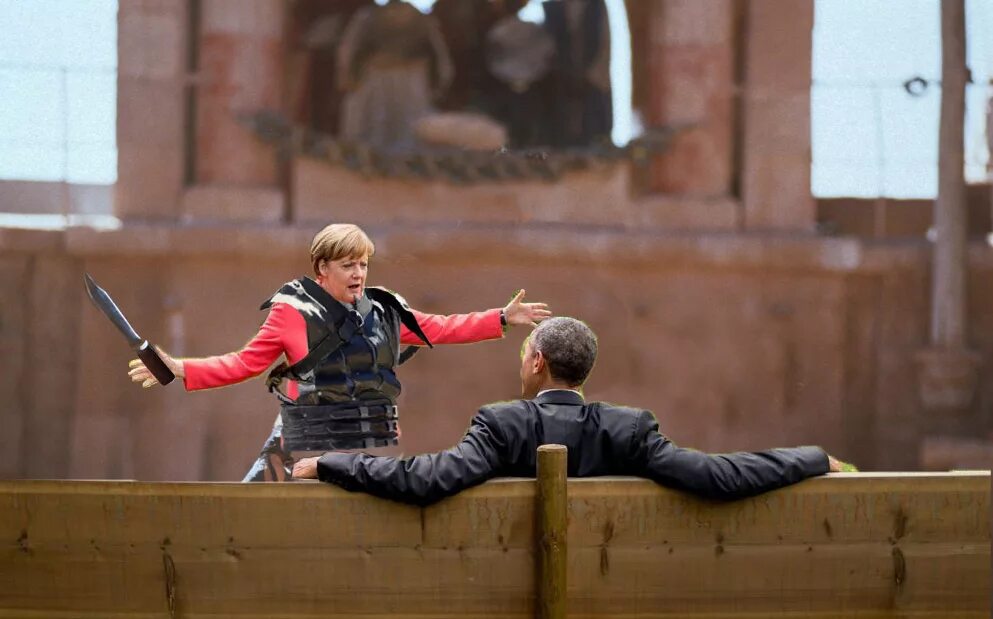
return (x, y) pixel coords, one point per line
(581, 74)
(519, 55)
(316, 31)
(464, 24)
(392, 66)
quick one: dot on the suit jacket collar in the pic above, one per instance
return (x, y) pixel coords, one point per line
(560, 396)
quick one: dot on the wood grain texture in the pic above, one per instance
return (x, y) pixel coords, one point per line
(865, 545)
(552, 543)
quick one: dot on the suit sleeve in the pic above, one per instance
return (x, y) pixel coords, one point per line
(720, 476)
(455, 328)
(423, 479)
(272, 340)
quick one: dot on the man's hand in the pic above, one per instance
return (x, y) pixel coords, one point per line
(306, 468)
(518, 313)
(837, 466)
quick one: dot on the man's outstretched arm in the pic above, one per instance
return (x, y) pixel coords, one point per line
(420, 480)
(722, 476)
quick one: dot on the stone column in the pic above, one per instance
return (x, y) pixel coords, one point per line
(775, 173)
(151, 117)
(949, 371)
(240, 58)
(690, 66)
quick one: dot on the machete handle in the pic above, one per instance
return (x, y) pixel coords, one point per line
(155, 364)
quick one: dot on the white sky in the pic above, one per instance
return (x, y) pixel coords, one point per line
(58, 92)
(869, 137)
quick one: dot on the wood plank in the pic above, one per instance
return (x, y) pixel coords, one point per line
(656, 615)
(498, 514)
(27, 614)
(941, 614)
(255, 580)
(837, 508)
(840, 507)
(899, 546)
(203, 515)
(838, 578)
(400, 580)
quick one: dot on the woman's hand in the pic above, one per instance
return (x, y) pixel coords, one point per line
(140, 374)
(518, 313)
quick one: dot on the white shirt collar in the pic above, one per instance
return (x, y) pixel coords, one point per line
(544, 391)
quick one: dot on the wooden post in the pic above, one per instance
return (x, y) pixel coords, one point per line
(948, 321)
(551, 531)
(949, 370)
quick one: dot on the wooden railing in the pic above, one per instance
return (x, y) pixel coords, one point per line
(863, 545)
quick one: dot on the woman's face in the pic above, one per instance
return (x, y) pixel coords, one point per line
(344, 279)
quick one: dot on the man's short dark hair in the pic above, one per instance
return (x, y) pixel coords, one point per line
(569, 348)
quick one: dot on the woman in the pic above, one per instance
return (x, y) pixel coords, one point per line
(342, 344)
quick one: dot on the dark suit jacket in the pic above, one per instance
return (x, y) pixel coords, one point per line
(603, 439)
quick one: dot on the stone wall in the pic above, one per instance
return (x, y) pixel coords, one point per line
(733, 341)
(717, 305)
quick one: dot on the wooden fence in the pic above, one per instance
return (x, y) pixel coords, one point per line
(846, 545)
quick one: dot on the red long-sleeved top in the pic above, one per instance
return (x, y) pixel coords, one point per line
(285, 332)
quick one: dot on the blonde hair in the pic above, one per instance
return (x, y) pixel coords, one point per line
(339, 241)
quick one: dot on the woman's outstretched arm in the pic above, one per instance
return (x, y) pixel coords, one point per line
(284, 331)
(476, 326)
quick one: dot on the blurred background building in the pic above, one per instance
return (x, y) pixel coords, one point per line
(739, 196)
